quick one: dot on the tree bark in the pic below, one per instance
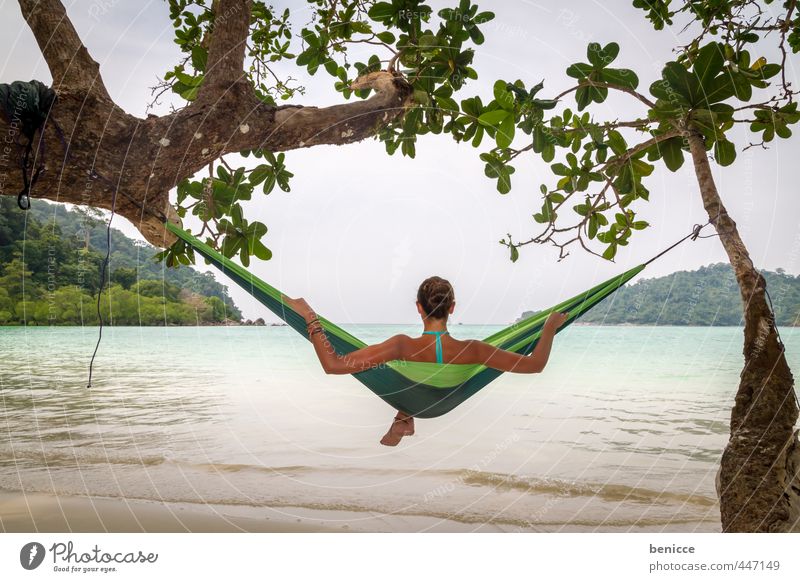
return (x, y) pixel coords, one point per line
(96, 154)
(758, 481)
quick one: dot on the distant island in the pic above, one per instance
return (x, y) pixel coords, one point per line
(707, 296)
(50, 261)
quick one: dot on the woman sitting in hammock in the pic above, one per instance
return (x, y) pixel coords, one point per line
(435, 302)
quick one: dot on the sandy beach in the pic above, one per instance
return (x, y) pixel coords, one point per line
(45, 513)
(39, 512)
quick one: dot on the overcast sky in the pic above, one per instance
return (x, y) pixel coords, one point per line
(361, 229)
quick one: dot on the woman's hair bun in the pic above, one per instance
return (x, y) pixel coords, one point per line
(436, 297)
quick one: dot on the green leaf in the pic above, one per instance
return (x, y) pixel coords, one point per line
(262, 252)
(579, 70)
(742, 87)
(641, 168)
(244, 256)
(769, 70)
(724, 152)
(494, 118)
(514, 254)
(708, 63)
(382, 11)
(560, 169)
(602, 57)
(447, 104)
(231, 244)
(610, 52)
(583, 97)
(505, 132)
(683, 83)
(545, 104)
(594, 53)
(617, 142)
(257, 229)
(504, 180)
(672, 153)
(503, 96)
(622, 77)
(540, 138)
(476, 35)
(592, 226)
(259, 174)
(476, 141)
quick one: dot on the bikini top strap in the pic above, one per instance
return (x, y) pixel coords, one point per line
(439, 350)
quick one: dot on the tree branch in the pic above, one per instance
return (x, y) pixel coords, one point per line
(226, 48)
(202, 132)
(70, 64)
(622, 88)
(100, 156)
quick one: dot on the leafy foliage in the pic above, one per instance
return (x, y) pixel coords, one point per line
(429, 49)
(600, 178)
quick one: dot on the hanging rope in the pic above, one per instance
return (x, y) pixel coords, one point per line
(103, 269)
(28, 104)
(694, 235)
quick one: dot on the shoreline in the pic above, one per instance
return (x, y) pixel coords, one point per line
(22, 512)
(47, 513)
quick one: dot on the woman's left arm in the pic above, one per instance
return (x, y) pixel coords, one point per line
(368, 357)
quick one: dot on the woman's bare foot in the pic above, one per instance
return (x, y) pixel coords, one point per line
(402, 425)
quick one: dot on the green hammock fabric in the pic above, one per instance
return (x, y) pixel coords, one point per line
(422, 389)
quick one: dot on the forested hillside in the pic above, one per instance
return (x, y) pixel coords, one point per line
(50, 261)
(707, 296)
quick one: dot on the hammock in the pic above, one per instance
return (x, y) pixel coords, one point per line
(421, 389)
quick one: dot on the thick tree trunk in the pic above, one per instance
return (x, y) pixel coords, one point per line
(96, 154)
(758, 481)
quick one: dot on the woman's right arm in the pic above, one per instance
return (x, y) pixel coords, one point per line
(357, 361)
(506, 361)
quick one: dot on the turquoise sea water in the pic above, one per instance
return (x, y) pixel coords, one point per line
(622, 432)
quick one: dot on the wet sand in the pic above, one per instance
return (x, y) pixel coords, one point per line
(37, 512)
(46, 513)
